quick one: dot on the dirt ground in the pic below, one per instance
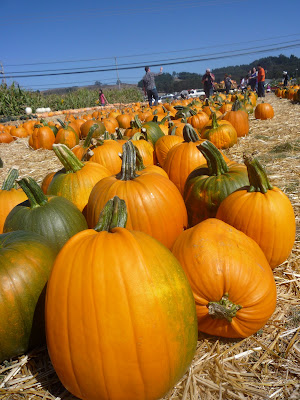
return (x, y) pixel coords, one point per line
(264, 366)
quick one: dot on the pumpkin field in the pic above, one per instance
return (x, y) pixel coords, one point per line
(158, 256)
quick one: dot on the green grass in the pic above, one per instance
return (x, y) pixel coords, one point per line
(13, 100)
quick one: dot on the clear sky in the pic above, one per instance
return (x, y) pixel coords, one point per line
(55, 37)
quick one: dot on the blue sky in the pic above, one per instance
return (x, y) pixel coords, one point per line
(60, 36)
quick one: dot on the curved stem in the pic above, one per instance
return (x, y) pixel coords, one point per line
(215, 161)
(190, 134)
(258, 178)
(128, 169)
(67, 158)
(33, 191)
(139, 160)
(214, 121)
(113, 215)
(89, 136)
(10, 180)
(223, 309)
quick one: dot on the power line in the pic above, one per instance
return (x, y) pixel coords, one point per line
(150, 54)
(203, 58)
(148, 62)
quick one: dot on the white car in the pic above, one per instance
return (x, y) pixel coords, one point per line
(196, 93)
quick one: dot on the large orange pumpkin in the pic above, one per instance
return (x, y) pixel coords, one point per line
(262, 212)
(120, 315)
(232, 282)
(154, 204)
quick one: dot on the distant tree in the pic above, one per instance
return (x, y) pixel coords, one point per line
(97, 83)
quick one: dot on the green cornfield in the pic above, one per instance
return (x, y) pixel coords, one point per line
(14, 100)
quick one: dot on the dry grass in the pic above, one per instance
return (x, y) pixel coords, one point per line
(265, 365)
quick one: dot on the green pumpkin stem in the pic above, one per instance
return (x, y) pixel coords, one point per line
(113, 215)
(214, 120)
(67, 158)
(139, 160)
(33, 191)
(258, 178)
(140, 135)
(236, 105)
(106, 135)
(137, 122)
(62, 124)
(87, 141)
(223, 309)
(119, 134)
(10, 180)
(215, 161)
(190, 134)
(128, 169)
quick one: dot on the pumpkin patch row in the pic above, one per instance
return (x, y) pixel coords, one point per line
(146, 235)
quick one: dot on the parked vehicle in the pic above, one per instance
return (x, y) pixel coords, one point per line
(196, 93)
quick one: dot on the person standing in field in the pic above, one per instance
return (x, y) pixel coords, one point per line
(253, 79)
(285, 78)
(228, 83)
(208, 83)
(149, 85)
(102, 98)
(261, 81)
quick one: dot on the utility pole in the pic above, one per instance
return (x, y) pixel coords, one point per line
(2, 73)
(118, 79)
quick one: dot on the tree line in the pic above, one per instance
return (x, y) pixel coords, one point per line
(274, 67)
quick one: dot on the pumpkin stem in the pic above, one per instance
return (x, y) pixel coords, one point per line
(140, 135)
(106, 135)
(119, 134)
(215, 161)
(190, 134)
(258, 178)
(214, 120)
(10, 180)
(137, 122)
(67, 158)
(128, 169)
(89, 136)
(33, 191)
(113, 215)
(236, 105)
(223, 309)
(139, 160)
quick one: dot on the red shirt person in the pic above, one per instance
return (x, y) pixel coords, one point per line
(261, 81)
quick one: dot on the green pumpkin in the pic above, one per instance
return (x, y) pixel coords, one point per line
(53, 217)
(25, 264)
(208, 185)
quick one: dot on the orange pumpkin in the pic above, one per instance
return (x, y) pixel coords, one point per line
(9, 196)
(163, 145)
(107, 154)
(232, 282)
(42, 137)
(77, 182)
(108, 278)
(264, 111)
(150, 199)
(221, 133)
(262, 212)
(239, 119)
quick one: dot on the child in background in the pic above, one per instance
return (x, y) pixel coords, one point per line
(102, 98)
